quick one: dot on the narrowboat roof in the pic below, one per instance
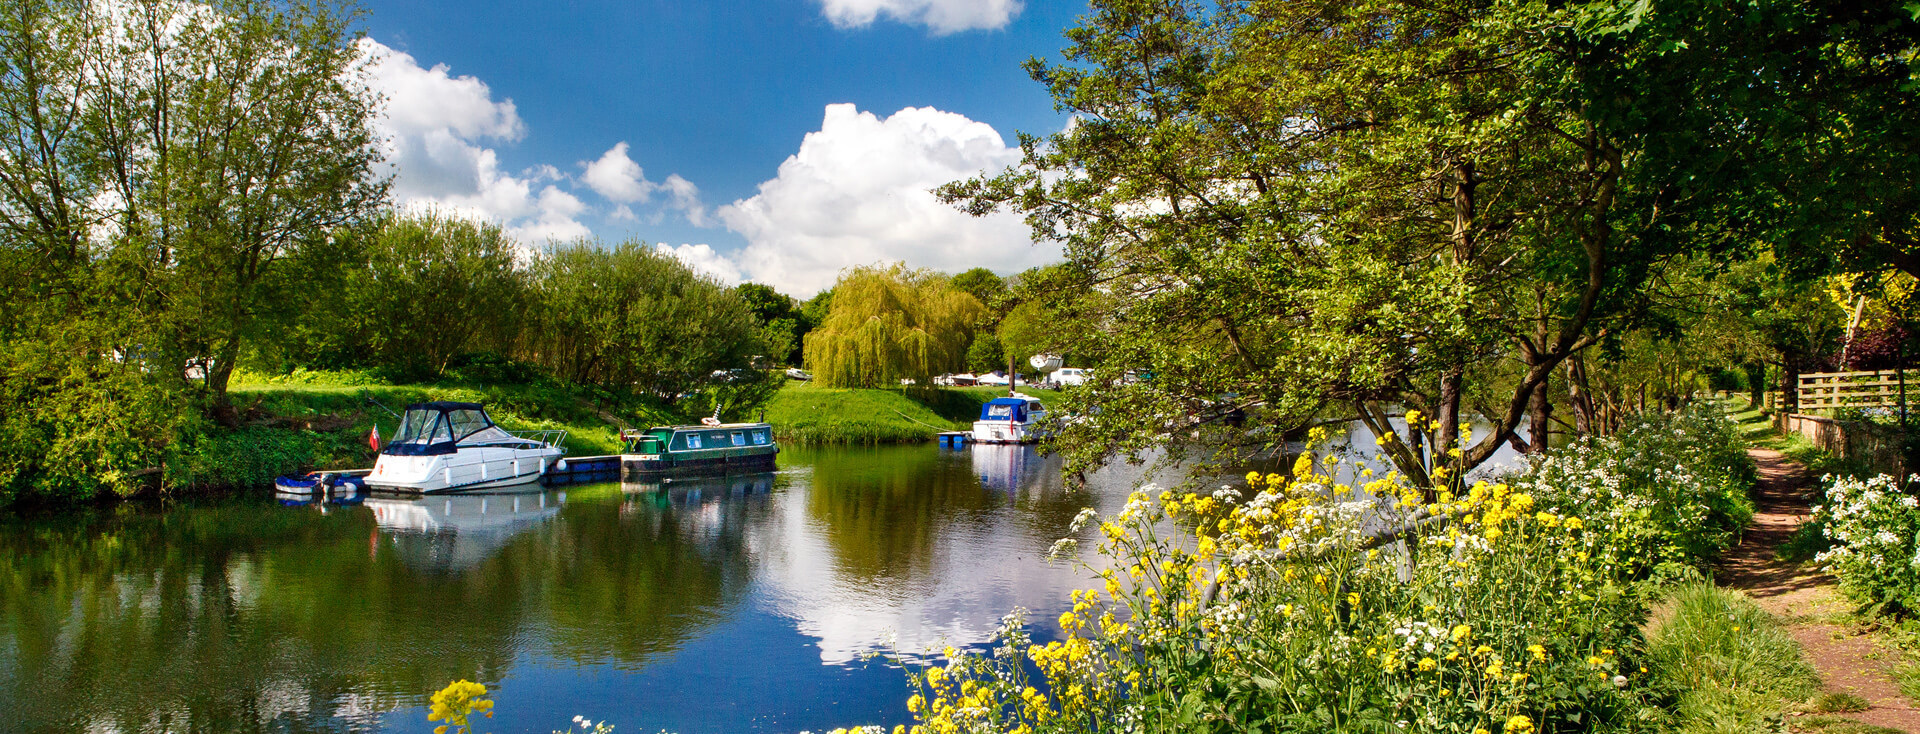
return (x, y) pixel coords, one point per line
(703, 427)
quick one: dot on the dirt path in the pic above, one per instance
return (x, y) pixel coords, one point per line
(1848, 660)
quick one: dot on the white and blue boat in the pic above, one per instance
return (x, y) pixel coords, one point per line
(1014, 419)
(456, 447)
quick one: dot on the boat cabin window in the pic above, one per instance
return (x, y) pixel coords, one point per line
(759, 438)
(1034, 407)
(739, 439)
(1000, 411)
(424, 427)
(468, 422)
(648, 445)
(693, 440)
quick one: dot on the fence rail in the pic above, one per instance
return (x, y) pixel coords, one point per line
(1876, 389)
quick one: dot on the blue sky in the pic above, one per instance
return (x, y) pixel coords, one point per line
(513, 111)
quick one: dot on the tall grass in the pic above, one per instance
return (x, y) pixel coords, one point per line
(1730, 663)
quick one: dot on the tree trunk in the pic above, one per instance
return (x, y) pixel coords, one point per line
(1539, 427)
(1447, 440)
(1579, 396)
(1756, 382)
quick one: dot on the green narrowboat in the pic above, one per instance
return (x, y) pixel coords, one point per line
(702, 449)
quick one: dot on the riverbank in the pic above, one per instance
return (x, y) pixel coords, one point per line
(321, 420)
(803, 412)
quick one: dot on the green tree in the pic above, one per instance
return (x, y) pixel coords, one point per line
(1326, 206)
(781, 317)
(632, 318)
(982, 284)
(233, 136)
(162, 164)
(985, 354)
(892, 323)
(435, 287)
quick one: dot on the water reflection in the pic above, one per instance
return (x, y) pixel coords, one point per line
(614, 600)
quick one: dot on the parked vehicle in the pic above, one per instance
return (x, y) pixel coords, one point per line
(1069, 376)
(795, 373)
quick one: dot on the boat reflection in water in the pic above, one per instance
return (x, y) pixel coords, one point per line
(694, 490)
(457, 532)
(1014, 469)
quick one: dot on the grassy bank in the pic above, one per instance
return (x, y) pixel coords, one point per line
(320, 420)
(806, 413)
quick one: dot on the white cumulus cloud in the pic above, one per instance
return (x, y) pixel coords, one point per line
(703, 259)
(939, 16)
(436, 126)
(859, 192)
(618, 178)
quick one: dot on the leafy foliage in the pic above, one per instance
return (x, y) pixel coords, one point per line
(632, 317)
(891, 324)
(1875, 528)
(1666, 489)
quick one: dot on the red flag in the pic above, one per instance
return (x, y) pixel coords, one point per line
(373, 437)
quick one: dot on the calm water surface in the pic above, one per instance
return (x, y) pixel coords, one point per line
(747, 603)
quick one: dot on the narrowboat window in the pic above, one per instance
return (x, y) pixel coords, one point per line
(759, 438)
(739, 439)
(693, 440)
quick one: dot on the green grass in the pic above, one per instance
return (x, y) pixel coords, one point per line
(804, 412)
(1838, 725)
(332, 408)
(1733, 666)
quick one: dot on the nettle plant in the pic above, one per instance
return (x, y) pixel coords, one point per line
(1875, 529)
(1294, 605)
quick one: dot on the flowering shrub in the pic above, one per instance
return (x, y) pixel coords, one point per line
(1666, 489)
(457, 703)
(1294, 611)
(1875, 529)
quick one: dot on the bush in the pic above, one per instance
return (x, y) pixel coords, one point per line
(1874, 528)
(1668, 489)
(1497, 615)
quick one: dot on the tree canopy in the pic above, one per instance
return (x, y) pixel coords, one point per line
(889, 324)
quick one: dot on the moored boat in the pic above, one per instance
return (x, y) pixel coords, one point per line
(702, 449)
(1014, 419)
(453, 447)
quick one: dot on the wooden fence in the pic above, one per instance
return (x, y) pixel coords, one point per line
(1879, 389)
(1880, 447)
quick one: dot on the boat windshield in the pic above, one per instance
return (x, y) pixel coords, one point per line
(1005, 409)
(440, 428)
(423, 427)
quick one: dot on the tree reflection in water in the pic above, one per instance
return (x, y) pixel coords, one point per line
(247, 616)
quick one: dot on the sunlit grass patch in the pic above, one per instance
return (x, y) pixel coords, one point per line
(1734, 667)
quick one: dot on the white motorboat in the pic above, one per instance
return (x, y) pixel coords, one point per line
(455, 447)
(1009, 420)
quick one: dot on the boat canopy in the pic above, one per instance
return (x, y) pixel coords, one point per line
(430, 429)
(1009, 409)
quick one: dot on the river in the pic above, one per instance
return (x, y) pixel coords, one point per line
(746, 603)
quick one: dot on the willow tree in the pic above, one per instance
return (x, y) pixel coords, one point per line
(890, 324)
